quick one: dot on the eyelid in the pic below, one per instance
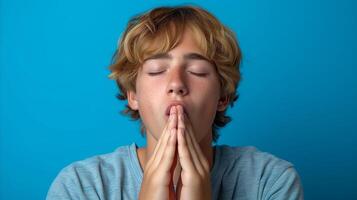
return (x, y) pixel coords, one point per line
(154, 73)
(155, 70)
(199, 74)
(156, 67)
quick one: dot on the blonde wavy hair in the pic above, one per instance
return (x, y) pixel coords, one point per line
(160, 30)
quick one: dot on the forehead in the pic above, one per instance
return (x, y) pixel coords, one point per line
(170, 40)
(189, 42)
(187, 49)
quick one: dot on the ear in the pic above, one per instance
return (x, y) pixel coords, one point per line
(222, 103)
(132, 100)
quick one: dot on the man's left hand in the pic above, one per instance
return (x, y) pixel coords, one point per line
(195, 181)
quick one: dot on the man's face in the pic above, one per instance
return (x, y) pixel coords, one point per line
(181, 76)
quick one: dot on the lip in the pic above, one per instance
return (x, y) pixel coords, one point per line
(175, 103)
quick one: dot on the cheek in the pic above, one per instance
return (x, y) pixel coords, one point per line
(206, 100)
(208, 94)
(148, 91)
(206, 112)
(149, 99)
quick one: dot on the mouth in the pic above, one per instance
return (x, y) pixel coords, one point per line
(167, 113)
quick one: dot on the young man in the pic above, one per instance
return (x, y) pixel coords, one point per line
(178, 68)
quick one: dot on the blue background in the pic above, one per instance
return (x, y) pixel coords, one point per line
(298, 94)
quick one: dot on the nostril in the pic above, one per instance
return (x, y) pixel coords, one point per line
(180, 90)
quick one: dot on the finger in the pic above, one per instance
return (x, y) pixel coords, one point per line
(173, 123)
(201, 157)
(193, 138)
(166, 129)
(161, 145)
(167, 161)
(187, 135)
(167, 134)
(184, 154)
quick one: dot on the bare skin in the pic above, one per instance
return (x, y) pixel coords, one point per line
(184, 77)
(157, 181)
(193, 168)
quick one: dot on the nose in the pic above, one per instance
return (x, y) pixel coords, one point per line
(177, 83)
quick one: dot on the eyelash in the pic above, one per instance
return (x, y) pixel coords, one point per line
(196, 74)
(199, 74)
(154, 73)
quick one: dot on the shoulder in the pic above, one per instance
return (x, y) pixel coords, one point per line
(104, 162)
(93, 175)
(261, 172)
(252, 158)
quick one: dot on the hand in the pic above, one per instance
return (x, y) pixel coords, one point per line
(157, 181)
(195, 182)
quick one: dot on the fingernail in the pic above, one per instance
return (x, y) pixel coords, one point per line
(179, 108)
(172, 110)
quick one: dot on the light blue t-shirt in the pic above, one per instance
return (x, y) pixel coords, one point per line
(238, 173)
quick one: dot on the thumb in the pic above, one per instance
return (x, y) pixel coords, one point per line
(179, 188)
(172, 195)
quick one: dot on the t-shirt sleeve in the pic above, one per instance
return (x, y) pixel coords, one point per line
(286, 187)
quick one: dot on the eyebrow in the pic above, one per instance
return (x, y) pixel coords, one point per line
(189, 56)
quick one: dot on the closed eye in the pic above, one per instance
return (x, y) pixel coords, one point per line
(154, 73)
(199, 74)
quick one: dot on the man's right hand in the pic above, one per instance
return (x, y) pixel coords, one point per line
(157, 181)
